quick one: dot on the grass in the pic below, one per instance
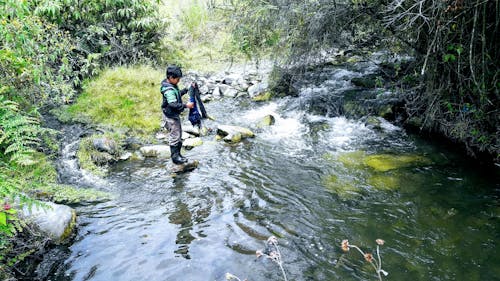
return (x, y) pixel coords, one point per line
(122, 98)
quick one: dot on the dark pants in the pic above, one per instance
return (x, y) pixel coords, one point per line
(174, 128)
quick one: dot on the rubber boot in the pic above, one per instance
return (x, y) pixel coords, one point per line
(179, 147)
(175, 155)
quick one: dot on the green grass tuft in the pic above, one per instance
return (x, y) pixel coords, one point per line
(124, 97)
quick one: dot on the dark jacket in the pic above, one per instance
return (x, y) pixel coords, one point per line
(174, 108)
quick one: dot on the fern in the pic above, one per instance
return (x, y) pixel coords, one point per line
(19, 134)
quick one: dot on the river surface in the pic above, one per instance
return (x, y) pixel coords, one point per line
(440, 219)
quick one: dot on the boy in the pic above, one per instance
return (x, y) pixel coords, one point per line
(172, 107)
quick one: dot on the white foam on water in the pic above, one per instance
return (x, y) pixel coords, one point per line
(344, 133)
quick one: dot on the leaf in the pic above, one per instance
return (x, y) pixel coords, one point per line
(3, 218)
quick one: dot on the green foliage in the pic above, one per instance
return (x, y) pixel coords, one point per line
(194, 19)
(455, 44)
(121, 31)
(123, 98)
(19, 134)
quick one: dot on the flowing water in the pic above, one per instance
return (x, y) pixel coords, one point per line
(302, 180)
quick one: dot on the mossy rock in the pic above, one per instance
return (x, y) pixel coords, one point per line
(351, 160)
(384, 181)
(344, 189)
(266, 96)
(387, 162)
(66, 194)
(268, 120)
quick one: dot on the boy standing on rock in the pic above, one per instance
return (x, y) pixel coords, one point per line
(172, 107)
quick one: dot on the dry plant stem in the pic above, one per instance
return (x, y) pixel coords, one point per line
(279, 261)
(373, 263)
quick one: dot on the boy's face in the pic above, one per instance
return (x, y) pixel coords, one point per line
(174, 81)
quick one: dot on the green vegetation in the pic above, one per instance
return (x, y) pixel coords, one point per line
(125, 97)
(199, 37)
(452, 88)
(47, 48)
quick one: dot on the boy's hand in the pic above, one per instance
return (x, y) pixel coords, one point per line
(190, 105)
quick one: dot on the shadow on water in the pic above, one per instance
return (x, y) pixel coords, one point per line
(309, 180)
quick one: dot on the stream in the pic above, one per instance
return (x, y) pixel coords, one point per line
(440, 219)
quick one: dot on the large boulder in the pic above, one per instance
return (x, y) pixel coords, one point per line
(56, 221)
(233, 134)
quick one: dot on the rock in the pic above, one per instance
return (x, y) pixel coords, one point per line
(160, 151)
(105, 144)
(230, 93)
(233, 134)
(102, 158)
(344, 188)
(282, 83)
(192, 130)
(132, 144)
(257, 89)
(126, 156)
(204, 90)
(185, 135)
(268, 120)
(217, 92)
(266, 96)
(207, 98)
(191, 143)
(178, 169)
(387, 162)
(370, 81)
(56, 221)
(373, 122)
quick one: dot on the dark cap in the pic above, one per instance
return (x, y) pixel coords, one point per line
(174, 71)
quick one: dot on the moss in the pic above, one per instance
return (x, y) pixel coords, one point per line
(65, 194)
(123, 97)
(69, 229)
(92, 160)
(386, 162)
(85, 158)
(343, 188)
(384, 182)
(352, 160)
(266, 96)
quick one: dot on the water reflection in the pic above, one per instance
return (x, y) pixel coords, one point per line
(181, 215)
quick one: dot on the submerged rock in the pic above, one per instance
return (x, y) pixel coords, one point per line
(56, 221)
(183, 168)
(384, 182)
(345, 189)
(386, 162)
(352, 159)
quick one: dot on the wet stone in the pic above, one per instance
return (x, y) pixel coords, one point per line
(183, 168)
